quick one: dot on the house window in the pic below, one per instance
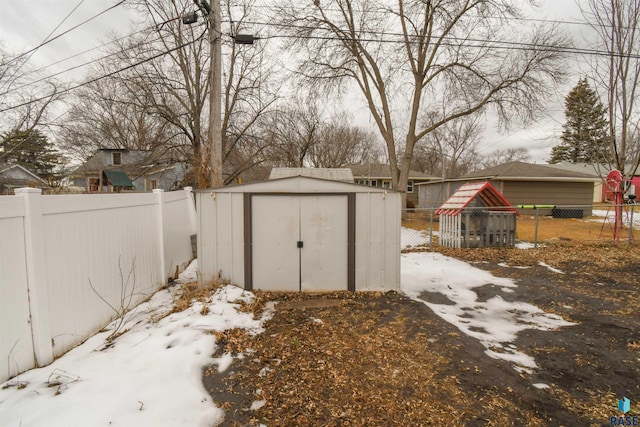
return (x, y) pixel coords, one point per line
(152, 184)
(409, 186)
(374, 182)
(116, 159)
(386, 184)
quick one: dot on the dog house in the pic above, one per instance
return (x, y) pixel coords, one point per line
(477, 215)
(300, 234)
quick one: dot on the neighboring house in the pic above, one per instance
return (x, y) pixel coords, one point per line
(522, 184)
(14, 176)
(335, 174)
(601, 193)
(115, 170)
(377, 175)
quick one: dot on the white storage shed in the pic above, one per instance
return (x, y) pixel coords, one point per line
(300, 234)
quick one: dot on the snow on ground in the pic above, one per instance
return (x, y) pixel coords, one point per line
(412, 238)
(626, 215)
(494, 321)
(150, 376)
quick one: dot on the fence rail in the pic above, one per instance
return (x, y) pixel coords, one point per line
(535, 224)
(64, 257)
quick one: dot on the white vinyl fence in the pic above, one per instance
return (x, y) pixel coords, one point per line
(63, 256)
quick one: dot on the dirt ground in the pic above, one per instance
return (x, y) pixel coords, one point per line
(356, 359)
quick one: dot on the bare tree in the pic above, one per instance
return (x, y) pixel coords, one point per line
(173, 86)
(104, 114)
(413, 56)
(498, 157)
(25, 96)
(450, 150)
(304, 137)
(294, 131)
(617, 77)
(341, 144)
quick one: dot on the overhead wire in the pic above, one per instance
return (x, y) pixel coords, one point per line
(449, 41)
(62, 34)
(102, 77)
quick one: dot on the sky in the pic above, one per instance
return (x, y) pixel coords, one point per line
(26, 24)
(130, 381)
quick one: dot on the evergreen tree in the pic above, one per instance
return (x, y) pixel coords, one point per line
(584, 134)
(30, 149)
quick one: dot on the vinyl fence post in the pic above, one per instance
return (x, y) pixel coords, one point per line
(535, 234)
(36, 278)
(160, 197)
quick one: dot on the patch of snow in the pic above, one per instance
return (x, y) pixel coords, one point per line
(223, 362)
(526, 245)
(190, 274)
(555, 270)
(541, 386)
(149, 376)
(410, 238)
(493, 321)
(505, 265)
(257, 404)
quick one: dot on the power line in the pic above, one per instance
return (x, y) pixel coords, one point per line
(96, 79)
(45, 39)
(75, 67)
(479, 43)
(61, 34)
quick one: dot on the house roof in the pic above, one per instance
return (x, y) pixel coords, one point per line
(484, 191)
(371, 170)
(335, 174)
(14, 174)
(512, 171)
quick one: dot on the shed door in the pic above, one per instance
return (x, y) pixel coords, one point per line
(299, 242)
(323, 232)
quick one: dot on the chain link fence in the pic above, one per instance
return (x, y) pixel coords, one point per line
(534, 225)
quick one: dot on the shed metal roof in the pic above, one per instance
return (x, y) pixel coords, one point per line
(487, 193)
(336, 174)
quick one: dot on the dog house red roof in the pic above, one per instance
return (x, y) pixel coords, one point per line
(487, 193)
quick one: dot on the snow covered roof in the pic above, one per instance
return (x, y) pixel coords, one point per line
(487, 193)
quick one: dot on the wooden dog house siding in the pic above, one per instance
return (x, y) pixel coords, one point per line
(300, 234)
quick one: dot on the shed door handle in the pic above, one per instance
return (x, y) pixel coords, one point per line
(300, 244)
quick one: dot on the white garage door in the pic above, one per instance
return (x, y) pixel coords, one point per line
(299, 242)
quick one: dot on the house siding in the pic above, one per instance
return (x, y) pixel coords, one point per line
(562, 194)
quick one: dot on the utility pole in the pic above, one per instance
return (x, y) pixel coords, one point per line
(215, 83)
(215, 95)
(213, 14)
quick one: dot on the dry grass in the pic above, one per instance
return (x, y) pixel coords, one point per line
(549, 229)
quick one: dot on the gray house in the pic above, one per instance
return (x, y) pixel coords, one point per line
(379, 175)
(14, 176)
(522, 184)
(115, 170)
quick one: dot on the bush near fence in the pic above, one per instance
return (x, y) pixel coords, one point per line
(539, 226)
